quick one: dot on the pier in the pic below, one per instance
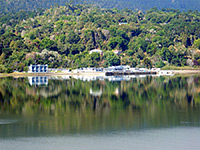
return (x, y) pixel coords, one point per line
(116, 73)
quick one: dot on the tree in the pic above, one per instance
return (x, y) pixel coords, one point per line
(111, 59)
(133, 62)
(166, 54)
(2, 69)
(159, 64)
(93, 59)
(197, 56)
(130, 52)
(9, 70)
(147, 62)
(32, 36)
(118, 42)
(140, 54)
(197, 43)
(47, 43)
(72, 38)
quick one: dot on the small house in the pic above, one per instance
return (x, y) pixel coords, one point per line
(123, 23)
(96, 51)
(117, 52)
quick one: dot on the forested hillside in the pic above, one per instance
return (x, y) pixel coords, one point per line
(29, 5)
(62, 36)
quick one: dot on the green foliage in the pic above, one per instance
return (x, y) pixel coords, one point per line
(118, 42)
(178, 68)
(197, 56)
(133, 62)
(73, 30)
(147, 62)
(160, 64)
(111, 59)
(197, 43)
(166, 54)
(47, 43)
(9, 70)
(93, 59)
(72, 38)
(130, 52)
(2, 69)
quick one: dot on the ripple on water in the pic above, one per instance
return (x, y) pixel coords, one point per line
(6, 121)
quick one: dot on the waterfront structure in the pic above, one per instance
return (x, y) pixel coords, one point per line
(166, 73)
(117, 68)
(38, 69)
(87, 70)
(62, 70)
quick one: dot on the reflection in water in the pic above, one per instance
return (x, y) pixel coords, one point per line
(96, 93)
(110, 78)
(38, 80)
(43, 80)
(69, 105)
(6, 121)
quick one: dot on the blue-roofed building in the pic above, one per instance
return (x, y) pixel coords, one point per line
(38, 69)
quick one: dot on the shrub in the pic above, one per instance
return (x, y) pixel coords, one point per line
(2, 69)
(9, 70)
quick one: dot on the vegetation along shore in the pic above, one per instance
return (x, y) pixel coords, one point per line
(83, 35)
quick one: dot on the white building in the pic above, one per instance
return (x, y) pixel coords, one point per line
(38, 69)
(123, 23)
(166, 73)
(96, 51)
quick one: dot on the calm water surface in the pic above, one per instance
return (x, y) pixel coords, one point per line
(158, 113)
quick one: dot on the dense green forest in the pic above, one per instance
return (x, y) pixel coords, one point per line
(62, 36)
(16, 5)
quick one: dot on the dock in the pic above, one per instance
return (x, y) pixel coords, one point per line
(117, 73)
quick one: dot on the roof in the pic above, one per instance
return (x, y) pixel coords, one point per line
(116, 51)
(96, 51)
(121, 23)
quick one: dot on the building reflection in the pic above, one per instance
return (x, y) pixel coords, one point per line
(43, 80)
(96, 92)
(109, 78)
(38, 80)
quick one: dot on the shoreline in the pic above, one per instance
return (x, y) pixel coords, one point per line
(178, 72)
(50, 74)
(175, 72)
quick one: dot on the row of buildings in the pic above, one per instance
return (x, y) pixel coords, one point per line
(45, 69)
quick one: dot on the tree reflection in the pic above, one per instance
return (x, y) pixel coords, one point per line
(90, 105)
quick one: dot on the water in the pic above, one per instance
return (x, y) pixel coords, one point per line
(157, 113)
(155, 139)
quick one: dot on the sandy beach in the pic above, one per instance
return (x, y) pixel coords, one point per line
(179, 72)
(49, 74)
